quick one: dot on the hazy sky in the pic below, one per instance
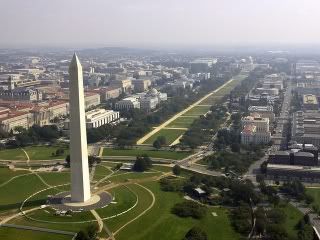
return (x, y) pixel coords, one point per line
(158, 22)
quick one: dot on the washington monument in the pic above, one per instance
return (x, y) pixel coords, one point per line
(80, 181)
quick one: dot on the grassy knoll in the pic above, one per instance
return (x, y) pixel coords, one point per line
(13, 193)
(124, 199)
(45, 152)
(159, 223)
(170, 134)
(16, 234)
(151, 153)
(182, 122)
(6, 174)
(293, 217)
(12, 154)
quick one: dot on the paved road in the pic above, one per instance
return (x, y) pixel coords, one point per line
(166, 123)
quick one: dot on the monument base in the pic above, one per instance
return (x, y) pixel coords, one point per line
(62, 201)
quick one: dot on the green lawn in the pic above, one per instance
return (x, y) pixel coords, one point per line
(101, 172)
(63, 221)
(293, 217)
(198, 110)
(6, 174)
(124, 199)
(55, 178)
(13, 193)
(145, 199)
(16, 234)
(315, 193)
(34, 152)
(124, 176)
(182, 122)
(45, 152)
(170, 134)
(12, 154)
(159, 223)
(151, 153)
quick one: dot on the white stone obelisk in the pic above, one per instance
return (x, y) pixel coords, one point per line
(80, 179)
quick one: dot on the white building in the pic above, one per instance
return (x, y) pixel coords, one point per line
(128, 103)
(99, 117)
(148, 103)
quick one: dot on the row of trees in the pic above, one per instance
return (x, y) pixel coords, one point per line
(203, 128)
(35, 134)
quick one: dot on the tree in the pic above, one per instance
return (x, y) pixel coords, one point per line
(142, 163)
(157, 144)
(176, 170)
(162, 140)
(196, 233)
(235, 147)
(68, 160)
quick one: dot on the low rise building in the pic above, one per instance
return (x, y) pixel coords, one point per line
(99, 117)
(91, 99)
(310, 102)
(141, 85)
(16, 119)
(291, 172)
(125, 85)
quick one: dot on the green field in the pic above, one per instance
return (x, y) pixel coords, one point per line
(12, 154)
(16, 234)
(182, 122)
(151, 153)
(159, 223)
(170, 134)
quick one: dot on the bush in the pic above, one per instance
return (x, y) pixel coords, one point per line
(176, 170)
(189, 209)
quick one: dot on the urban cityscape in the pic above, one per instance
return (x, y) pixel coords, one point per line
(159, 133)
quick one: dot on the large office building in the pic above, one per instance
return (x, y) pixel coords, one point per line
(306, 128)
(255, 130)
